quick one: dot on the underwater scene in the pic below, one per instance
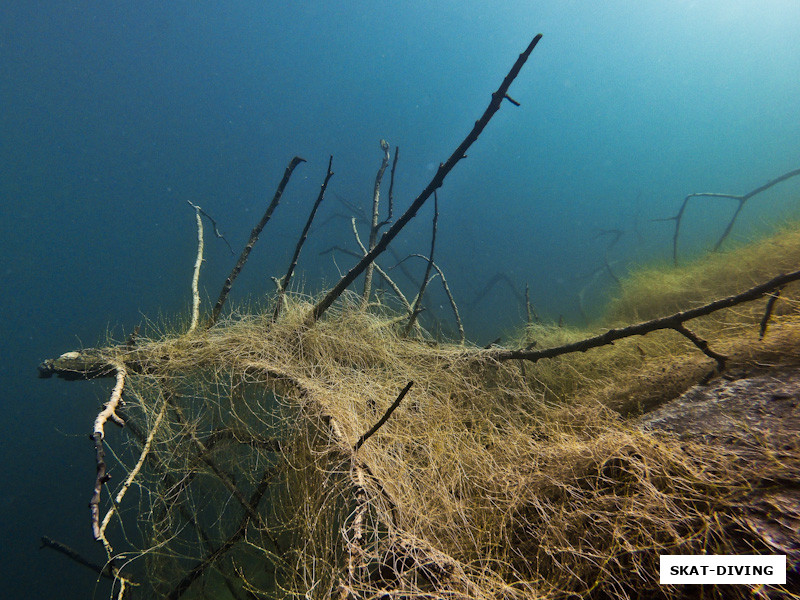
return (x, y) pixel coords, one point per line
(360, 300)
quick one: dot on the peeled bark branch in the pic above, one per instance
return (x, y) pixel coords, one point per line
(108, 412)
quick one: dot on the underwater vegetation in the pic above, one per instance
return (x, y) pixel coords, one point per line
(332, 447)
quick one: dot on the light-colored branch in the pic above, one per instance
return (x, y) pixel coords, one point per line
(135, 471)
(108, 412)
(373, 229)
(196, 275)
(447, 291)
(381, 272)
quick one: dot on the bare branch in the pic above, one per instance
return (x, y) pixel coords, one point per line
(373, 228)
(418, 303)
(284, 283)
(673, 321)
(383, 419)
(773, 297)
(196, 275)
(741, 199)
(226, 288)
(435, 183)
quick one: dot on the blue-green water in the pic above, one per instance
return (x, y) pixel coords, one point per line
(115, 114)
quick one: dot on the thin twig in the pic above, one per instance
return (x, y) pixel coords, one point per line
(449, 297)
(381, 272)
(105, 571)
(773, 297)
(373, 229)
(136, 469)
(391, 190)
(493, 281)
(229, 543)
(383, 419)
(214, 225)
(414, 313)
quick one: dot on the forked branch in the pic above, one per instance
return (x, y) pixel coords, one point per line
(674, 321)
(741, 199)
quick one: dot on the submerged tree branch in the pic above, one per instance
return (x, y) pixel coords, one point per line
(108, 412)
(284, 283)
(197, 264)
(383, 419)
(226, 288)
(435, 183)
(373, 228)
(449, 294)
(425, 278)
(741, 199)
(674, 321)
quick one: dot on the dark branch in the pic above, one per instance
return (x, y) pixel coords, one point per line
(773, 297)
(100, 480)
(449, 296)
(435, 183)
(384, 418)
(226, 288)
(741, 199)
(702, 345)
(284, 284)
(493, 281)
(418, 303)
(106, 571)
(673, 321)
(214, 225)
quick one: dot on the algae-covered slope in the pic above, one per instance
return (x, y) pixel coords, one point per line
(654, 291)
(640, 372)
(491, 479)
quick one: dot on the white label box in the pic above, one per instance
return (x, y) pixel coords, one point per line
(723, 568)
